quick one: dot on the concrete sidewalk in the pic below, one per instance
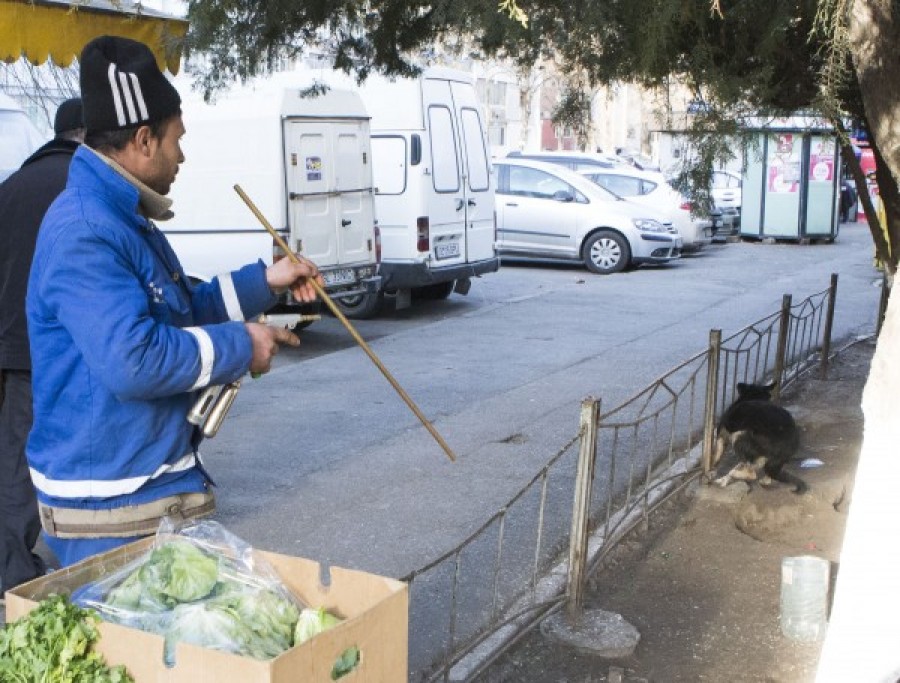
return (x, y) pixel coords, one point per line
(702, 585)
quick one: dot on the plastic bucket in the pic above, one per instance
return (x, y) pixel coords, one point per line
(804, 597)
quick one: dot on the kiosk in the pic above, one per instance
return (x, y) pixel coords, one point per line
(791, 182)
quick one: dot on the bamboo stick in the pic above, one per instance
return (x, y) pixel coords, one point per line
(346, 323)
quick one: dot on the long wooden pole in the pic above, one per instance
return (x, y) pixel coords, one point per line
(346, 323)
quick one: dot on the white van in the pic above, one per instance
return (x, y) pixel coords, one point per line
(19, 137)
(434, 194)
(306, 163)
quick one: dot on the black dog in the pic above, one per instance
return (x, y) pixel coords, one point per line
(764, 436)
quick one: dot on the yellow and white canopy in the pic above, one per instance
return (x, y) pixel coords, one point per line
(39, 30)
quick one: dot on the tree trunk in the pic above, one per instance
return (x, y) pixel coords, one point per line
(882, 248)
(875, 48)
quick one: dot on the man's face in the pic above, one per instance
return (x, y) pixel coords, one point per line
(165, 157)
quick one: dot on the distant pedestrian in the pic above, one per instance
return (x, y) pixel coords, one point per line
(24, 199)
(848, 200)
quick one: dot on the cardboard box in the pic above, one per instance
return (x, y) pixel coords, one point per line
(376, 609)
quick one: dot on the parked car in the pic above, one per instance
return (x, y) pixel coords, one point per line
(639, 161)
(575, 161)
(726, 189)
(727, 194)
(651, 189)
(546, 211)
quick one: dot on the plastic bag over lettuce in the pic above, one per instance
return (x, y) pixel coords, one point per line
(203, 585)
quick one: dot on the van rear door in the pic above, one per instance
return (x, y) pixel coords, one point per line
(462, 224)
(447, 212)
(478, 193)
(329, 191)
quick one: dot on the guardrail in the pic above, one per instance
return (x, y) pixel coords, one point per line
(536, 553)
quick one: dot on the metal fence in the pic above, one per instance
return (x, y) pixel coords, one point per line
(533, 556)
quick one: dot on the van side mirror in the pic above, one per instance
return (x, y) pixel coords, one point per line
(563, 196)
(415, 149)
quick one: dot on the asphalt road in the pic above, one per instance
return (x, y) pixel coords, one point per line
(321, 458)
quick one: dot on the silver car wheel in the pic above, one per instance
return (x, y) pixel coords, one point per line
(606, 252)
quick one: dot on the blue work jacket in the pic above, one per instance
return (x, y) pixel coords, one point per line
(121, 344)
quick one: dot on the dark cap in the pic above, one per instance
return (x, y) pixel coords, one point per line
(122, 87)
(68, 116)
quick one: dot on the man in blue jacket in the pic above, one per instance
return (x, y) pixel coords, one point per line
(121, 342)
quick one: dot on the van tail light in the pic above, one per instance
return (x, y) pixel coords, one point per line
(495, 226)
(423, 243)
(686, 206)
(377, 244)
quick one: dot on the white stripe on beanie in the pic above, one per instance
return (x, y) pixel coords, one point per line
(142, 106)
(131, 94)
(129, 98)
(111, 73)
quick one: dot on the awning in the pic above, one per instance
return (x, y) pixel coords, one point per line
(58, 29)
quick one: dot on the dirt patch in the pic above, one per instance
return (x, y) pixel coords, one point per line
(702, 584)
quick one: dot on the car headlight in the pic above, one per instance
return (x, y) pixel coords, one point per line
(648, 225)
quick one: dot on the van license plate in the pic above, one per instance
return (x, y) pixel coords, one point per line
(446, 250)
(341, 276)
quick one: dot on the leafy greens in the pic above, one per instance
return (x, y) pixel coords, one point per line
(52, 644)
(187, 594)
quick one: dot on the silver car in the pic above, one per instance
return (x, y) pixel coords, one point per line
(547, 211)
(651, 189)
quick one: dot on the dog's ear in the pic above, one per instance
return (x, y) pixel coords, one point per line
(742, 388)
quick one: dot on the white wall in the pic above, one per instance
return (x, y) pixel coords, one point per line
(864, 629)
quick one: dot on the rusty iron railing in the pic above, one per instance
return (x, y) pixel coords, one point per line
(534, 555)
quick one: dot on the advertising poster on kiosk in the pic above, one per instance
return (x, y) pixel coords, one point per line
(784, 163)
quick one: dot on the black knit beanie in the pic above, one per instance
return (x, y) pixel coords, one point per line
(68, 116)
(122, 87)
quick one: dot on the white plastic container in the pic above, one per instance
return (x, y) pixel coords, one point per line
(804, 597)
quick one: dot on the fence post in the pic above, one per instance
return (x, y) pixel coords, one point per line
(829, 323)
(581, 508)
(712, 387)
(784, 329)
